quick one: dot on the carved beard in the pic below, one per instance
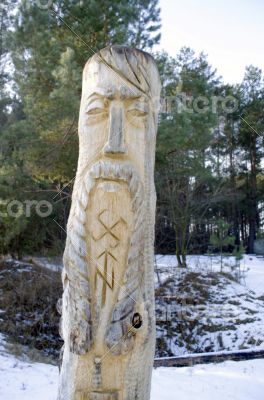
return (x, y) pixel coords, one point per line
(78, 329)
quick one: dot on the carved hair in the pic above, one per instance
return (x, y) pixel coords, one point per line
(134, 66)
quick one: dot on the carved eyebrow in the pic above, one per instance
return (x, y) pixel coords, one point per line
(127, 94)
(110, 95)
(95, 96)
(130, 97)
(138, 99)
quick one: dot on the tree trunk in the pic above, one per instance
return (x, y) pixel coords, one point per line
(253, 212)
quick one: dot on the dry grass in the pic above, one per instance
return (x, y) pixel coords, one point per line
(28, 298)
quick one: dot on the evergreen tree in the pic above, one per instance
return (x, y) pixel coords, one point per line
(251, 142)
(49, 47)
(184, 136)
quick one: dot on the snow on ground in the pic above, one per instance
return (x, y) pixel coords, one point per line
(20, 380)
(244, 380)
(199, 309)
(230, 380)
(52, 263)
(254, 278)
(252, 268)
(23, 380)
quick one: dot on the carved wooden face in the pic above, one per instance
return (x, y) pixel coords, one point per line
(116, 118)
(117, 129)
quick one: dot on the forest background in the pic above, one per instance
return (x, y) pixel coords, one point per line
(209, 158)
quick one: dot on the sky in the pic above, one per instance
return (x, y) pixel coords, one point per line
(230, 32)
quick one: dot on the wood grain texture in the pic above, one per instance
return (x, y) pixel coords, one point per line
(108, 319)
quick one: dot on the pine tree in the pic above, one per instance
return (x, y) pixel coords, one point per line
(184, 136)
(49, 47)
(251, 142)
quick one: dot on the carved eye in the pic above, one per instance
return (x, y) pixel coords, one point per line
(96, 111)
(137, 113)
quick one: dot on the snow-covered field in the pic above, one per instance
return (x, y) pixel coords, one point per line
(22, 380)
(252, 268)
(244, 380)
(230, 380)
(200, 309)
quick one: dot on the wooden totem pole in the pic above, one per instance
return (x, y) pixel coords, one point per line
(108, 313)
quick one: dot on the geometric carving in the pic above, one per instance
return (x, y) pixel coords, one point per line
(108, 229)
(103, 259)
(97, 376)
(110, 225)
(108, 280)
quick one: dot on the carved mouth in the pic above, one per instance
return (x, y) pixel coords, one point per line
(118, 171)
(109, 186)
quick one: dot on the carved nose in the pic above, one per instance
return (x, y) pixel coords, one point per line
(115, 143)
